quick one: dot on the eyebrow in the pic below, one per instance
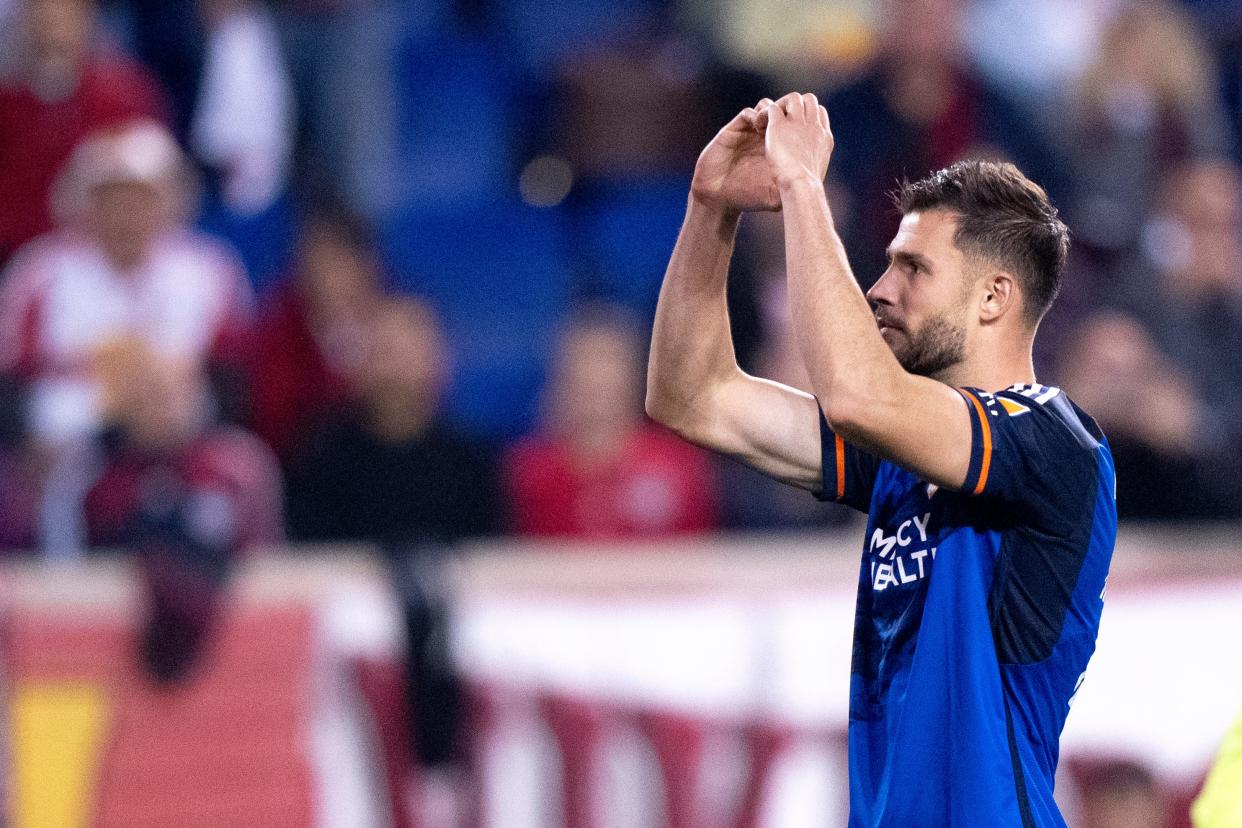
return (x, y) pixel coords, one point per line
(907, 257)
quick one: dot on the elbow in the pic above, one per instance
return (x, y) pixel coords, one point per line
(659, 404)
(845, 411)
(655, 406)
(665, 410)
(853, 399)
(672, 412)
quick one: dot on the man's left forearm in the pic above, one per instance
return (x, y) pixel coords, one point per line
(847, 360)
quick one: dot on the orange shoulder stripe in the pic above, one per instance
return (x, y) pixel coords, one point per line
(986, 430)
(840, 447)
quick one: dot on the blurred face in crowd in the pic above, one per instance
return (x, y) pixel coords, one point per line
(406, 358)
(921, 301)
(596, 385)
(338, 279)
(1122, 796)
(126, 217)
(1202, 202)
(58, 35)
(1123, 809)
(921, 31)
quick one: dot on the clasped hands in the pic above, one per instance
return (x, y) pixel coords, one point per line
(765, 150)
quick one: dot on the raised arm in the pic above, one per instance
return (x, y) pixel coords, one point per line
(869, 399)
(694, 384)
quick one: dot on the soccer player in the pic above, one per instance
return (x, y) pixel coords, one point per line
(990, 497)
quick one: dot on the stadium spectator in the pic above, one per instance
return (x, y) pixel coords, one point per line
(918, 108)
(232, 108)
(123, 264)
(184, 493)
(1191, 297)
(342, 56)
(1154, 419)
(390, 469)
(60, 88)
(603, 84)
(598, 469)
(311, 338)
(1148, 101)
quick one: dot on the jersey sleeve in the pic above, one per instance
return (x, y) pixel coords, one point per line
(1029, 446)
(849, 473)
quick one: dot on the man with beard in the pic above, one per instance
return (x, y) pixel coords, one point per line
(990, 497)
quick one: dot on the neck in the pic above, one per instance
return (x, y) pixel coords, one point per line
(993, 369)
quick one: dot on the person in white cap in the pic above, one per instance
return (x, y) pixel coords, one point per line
(122, 265)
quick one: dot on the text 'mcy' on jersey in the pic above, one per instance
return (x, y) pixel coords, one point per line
(977, 613)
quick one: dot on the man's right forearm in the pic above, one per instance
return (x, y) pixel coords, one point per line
(691, 343)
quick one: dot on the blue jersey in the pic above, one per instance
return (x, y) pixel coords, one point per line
(977, 613)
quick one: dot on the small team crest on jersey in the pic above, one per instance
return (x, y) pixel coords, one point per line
(1014, 408)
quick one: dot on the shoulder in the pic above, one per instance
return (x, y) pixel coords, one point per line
(1050, 408)
(37, 263)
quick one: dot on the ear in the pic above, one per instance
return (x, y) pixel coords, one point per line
(998, 295)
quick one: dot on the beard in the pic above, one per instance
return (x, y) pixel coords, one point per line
(937, 346)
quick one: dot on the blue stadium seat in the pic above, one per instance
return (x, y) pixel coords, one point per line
(264, 241)
(541, 32)
(624, 234)
(499, 277)
(454, 97)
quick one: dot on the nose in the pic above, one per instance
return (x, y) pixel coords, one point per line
(883, 291)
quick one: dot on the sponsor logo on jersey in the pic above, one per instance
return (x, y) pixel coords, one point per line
(902, 557)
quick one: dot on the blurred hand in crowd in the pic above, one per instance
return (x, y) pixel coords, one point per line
(159, 404)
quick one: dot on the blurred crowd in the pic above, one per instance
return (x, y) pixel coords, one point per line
(365, 269)
(413, 249)
(379, 270)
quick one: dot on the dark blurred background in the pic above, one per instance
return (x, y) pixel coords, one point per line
(278, 274)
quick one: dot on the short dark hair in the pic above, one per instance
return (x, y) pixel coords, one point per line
(1003, 217)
